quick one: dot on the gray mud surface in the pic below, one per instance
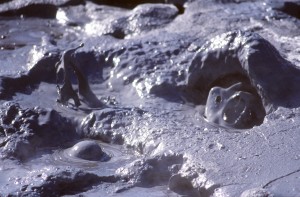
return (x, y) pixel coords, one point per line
(129, 113)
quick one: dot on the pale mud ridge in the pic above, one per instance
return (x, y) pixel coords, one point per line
(151, 65)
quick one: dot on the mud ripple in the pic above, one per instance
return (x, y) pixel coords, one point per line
(112, 156)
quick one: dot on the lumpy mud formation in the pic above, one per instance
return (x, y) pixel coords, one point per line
(69, 65)
(149, 98)
(233, 107)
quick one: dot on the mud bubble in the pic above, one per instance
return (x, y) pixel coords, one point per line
(87, 150)
(86, 153)
(91, 154)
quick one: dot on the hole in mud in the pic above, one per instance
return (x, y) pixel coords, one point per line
(180, 8)
(224, 81)
(292, 9)
(230, 101)
(12, 46)
(230, 79)
(118, 34)
(36, 10)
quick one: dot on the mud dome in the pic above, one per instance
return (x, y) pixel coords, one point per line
(165, 98)
(87, 150)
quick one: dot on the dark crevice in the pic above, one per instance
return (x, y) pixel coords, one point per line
(118, 34)
(44, 71)
(226, 81)
(11, 46)
(41, 10)
(4, 1)
(9, 86)
(35, 10)
(73, 3)
(196, 95)
(132, 4)
(291, 8)
(180, 8)
(179, 94)
(276, 179)
(126, 4)
(84, 184)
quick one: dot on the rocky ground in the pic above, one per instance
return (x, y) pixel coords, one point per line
(126, 114)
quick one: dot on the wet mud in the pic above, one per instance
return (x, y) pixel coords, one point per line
(149, 98)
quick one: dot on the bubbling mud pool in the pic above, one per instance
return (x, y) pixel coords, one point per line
(112, 157)
(67, 170)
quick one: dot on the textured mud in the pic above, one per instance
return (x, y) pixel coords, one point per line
(133, 111)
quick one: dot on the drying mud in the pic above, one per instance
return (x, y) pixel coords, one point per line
(150, 98)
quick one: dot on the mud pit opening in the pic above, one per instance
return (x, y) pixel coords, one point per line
(231, 101)
(233, 107)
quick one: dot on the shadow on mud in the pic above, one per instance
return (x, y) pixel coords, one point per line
(291, 8)
(132, 4)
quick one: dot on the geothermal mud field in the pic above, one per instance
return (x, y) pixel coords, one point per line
(150, 98)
